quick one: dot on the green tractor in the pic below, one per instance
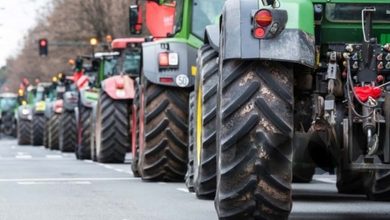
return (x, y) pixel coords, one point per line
(287, 86)
(25, 113)
(8, 106)
(169, 67)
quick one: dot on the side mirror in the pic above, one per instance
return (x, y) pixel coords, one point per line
(135, 19)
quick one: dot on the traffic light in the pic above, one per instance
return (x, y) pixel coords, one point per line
(43, 50)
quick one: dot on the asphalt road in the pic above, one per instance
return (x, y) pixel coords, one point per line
(36, 183)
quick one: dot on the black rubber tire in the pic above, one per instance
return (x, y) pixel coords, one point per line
(205, 177)
(84, 144)
(113, 139)
(255, 129)
(54, 128)
(378, 185)
(351, 182)
(67, 131)
(38, 128)
(136, 109)
(164, 157)
(303, 166)
(189, 177)
(46, 133)
(24, 132)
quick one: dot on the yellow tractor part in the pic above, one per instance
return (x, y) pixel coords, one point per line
(199, 122)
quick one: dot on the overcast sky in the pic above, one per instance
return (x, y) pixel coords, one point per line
(16, 17)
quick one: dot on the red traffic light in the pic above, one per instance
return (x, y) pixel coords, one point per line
(43, 43)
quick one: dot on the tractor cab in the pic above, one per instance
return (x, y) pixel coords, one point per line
(129, 60)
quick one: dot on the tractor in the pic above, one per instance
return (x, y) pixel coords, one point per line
(112, 129)
(24, 114)
(38, 120)
(8, 106)
(296, 84)
(169, 66)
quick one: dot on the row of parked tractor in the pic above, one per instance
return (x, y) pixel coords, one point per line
(236, 98)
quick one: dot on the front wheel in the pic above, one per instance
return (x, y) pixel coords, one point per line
(84, 134)
(254, 139)
(38, 128)
(67, 131)
(24, 132)
(112, 129)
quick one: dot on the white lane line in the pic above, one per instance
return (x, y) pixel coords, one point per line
(23, 156)
(182, 190)
(55, 183)
(53, 156)
(88, 161)
(68, 179)
(21, 153)
(325, 180)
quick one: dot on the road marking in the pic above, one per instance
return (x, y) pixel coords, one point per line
(68, 179)
(53, 156)
(88, 161)
(325, 180)
(182, 190)
(23, 156)
(55, 182)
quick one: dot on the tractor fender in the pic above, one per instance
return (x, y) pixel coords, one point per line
(25, 112)
(71, 100)
(58, 106)
(295, 44)
(212, 36)
(182, 76)
(88, 97)
(119, 87)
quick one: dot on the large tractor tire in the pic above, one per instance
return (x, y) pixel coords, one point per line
(54, 128)
(351, 182)
(67, 131)
(164, 155)
(38, 129)
(303, 166)
(189, 178)
(206, 112)
(135, 131)
(24, 132)
(46, 133)
(112, 129)
(378, 185)
(254, 138)
(84, 134)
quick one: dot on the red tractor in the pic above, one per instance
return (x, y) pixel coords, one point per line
(112, 136)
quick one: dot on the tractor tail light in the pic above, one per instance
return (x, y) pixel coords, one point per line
(259, 32)
(167, 80)
(263, 18)
(164, 59)
(168, 60)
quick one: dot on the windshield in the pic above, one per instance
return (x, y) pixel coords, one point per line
(132, 62)
(178, 15)
(8, 103)
(205, 13)
(353, 12)
(109, 67)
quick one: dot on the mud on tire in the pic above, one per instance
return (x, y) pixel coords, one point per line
(135, 130)
(255, 130)
(164, 157)
(189, 177)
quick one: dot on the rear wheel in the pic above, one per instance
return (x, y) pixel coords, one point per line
(206, 99)
(112, 129)
(67, 131)
(24, 132)
(38, 128)
(164, 157)
(351, 182)
(135, 132)
(84, 135)
(255, 130)
(54, 127)
(189, 178)
(378, 186)
(303, 166)
(46, 133)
